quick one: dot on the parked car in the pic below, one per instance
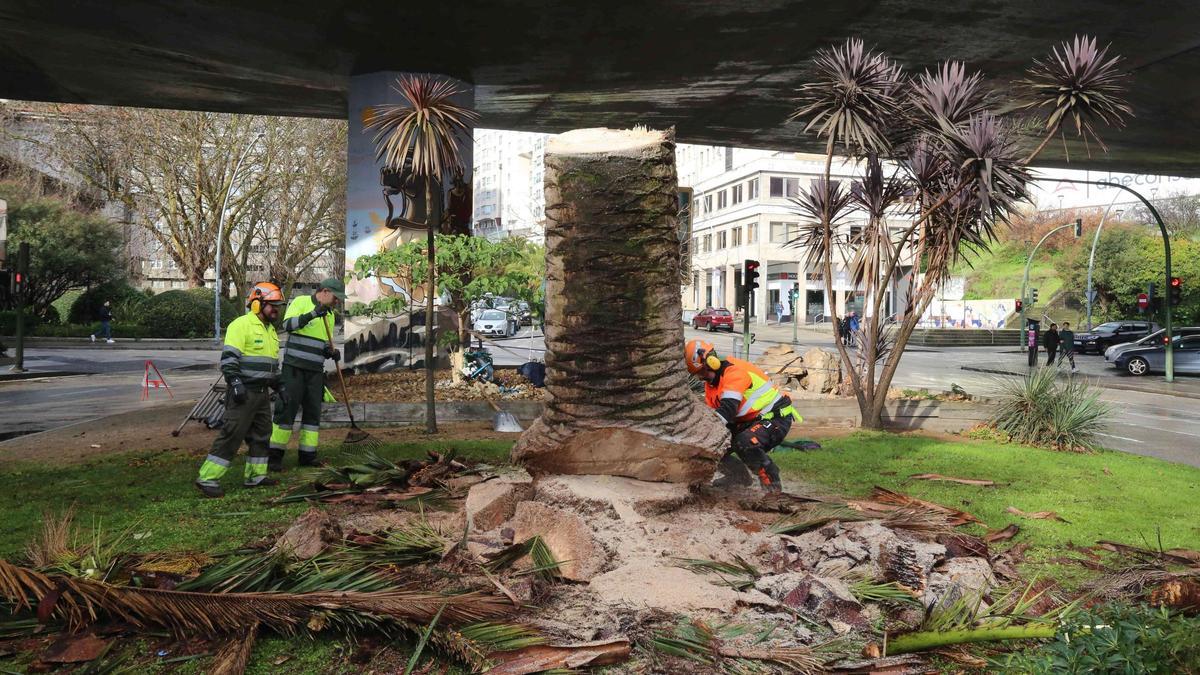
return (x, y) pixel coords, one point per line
(1114, 332)
(493, 322)
(1153, 359)
(1154, 338)
(714, 319)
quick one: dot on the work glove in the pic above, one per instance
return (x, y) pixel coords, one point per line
(280, 391)
(331, 353)
(320, 310)
(237, 390)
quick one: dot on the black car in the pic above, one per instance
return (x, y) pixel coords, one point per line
(1114, 332)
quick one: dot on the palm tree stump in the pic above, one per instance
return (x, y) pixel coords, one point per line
(618, 401)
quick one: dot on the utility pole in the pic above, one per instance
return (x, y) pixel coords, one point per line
(21, 281)
(1078, 225)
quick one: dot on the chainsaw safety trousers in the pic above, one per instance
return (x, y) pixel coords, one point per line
(249, 421)
(306, 393)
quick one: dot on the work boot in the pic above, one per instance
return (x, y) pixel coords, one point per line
(309, 459)
(768, 477)
(265, 481)
(210, 489)
(275, 461)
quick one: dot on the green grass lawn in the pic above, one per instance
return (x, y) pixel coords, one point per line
(1108, 495)
(1105, 496)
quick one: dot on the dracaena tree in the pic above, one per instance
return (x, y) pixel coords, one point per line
(943, 164)
(423, 136)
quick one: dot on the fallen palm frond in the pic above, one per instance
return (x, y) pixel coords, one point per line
(234, 655)
(814, 516)
(886, 496)
(699, 642)
(866, 590)
(377, 480)
(79, 602)
(62, 547)
(544, 563)
(412, 544)
(925, 640)
(918, 520)
(739, 575)
(545, 658)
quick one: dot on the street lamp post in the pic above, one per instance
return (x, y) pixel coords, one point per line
(1025, 280)
(218, 291)
(1170, 351)
(1092, 258)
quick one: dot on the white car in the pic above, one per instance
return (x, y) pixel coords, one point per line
(493, 322)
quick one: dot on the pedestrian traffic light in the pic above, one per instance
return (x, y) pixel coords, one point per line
(1020, 304)
(21, 273)
(1078, 227)
(749, 278)
(1176, 291)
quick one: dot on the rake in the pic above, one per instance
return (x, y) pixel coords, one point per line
(356, 436)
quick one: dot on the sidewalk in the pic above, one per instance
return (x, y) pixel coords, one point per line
(1102, 375)
(144, 344)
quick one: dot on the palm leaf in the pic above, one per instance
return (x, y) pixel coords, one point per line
(1078, 82)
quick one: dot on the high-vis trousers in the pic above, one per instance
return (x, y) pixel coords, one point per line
(249, 422)
(752, 442)
(306, 393)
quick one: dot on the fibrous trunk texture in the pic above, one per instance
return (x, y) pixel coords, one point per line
(618, 397)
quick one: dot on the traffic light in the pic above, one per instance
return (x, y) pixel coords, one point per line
(749, 279)
(1033, 296)
(1020, 304)
(21, 273)
(1078, 227)
(1176, 291)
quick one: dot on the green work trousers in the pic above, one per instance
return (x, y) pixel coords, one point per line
(250, 422)
(306, 394)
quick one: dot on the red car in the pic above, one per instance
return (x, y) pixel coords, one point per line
(714, 319)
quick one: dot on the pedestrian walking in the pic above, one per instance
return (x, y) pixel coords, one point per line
(852, 325)
(104, 314)
(1051, 341)
(1067, 336)
(249, 364)
(303, 375)
(779, 311)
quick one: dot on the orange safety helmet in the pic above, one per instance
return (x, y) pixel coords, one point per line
(697, 354)
(264, 291)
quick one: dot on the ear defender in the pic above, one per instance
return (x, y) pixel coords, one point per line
(255, 306)
(712, 361)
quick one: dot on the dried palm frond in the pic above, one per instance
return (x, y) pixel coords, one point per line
(697, 641)
(54, 541)
(803, 520)
(425, 132)
(234, 654)
(918, 520)
(886, 496)
(853, 98)
(79, 602)
(1078, 82)
(792, 659)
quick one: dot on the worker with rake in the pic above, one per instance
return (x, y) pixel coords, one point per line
(757, 414)
(309, 343)
(249, 362)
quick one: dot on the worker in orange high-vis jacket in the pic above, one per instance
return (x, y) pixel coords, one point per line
(757, 414)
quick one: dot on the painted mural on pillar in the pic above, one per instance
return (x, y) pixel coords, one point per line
(385, 209)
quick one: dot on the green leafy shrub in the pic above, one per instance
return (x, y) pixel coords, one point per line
(1040, 409)
(1115, 638)
(8, 322)
(82, 330)
(230, 310)
(178, 314)
(127, 303)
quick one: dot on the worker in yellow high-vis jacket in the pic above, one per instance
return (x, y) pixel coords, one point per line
(307, 324)
(249, 362)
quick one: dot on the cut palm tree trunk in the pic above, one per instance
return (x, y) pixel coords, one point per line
(356, 437)
(618, 401)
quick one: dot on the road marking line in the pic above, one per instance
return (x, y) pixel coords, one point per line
(1167, 431)
(1123, 438)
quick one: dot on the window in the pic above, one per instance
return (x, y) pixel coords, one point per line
(736, 197)
(722, 199)
(855, 232)
(721, 240)
(784, 187)
(707, 243)
(737, 237)
(696, 205)
(781, 233)
(752, 188)
(752, 233)
(695, 244)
